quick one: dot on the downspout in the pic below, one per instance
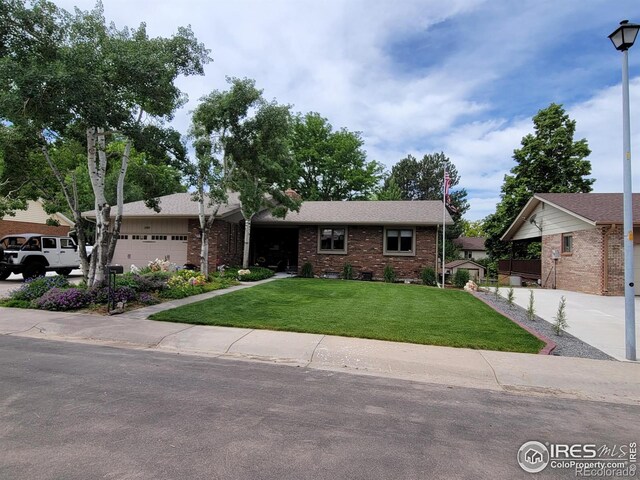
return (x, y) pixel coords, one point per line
(605, 259)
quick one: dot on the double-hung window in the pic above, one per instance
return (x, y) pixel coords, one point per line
(399, 241)
(332, 240)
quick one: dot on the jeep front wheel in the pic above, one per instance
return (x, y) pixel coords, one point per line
(4, 274)
(33, 270)
(65, 272)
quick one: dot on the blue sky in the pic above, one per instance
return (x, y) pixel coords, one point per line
(459, 76)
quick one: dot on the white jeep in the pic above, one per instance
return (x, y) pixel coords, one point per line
(34, 254)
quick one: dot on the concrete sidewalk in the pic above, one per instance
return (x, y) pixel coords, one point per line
(594, 319)
(595, 380)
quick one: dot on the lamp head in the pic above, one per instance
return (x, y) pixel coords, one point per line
(624, 36)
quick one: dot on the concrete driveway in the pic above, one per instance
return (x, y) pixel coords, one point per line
(15, 281)
(594, 319)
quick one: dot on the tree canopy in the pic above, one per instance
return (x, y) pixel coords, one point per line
(332, 164)
(252, 138)
(424, 180)
(548, 161)
(67, 77)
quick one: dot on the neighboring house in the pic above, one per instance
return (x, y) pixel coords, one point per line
(476, 271)
(367, 235)
(471, 247)
(35, 220)
(582, 240)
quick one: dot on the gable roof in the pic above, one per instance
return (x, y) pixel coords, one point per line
(35, 213)
(409, 213)
(470, 243)
(174, 205)
(599, 208)
(592, 208)
(457, 263)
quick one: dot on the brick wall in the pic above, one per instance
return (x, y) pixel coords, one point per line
(225, 244)
(615, 261)
(365, 252)
(586, 270)
(8, 227)
(578, 271)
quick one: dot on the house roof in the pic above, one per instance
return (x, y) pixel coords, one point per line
(35, 213)
(470, 243)
(410, 213)
(175, 205)
(592, 208)
(599, 208)
(457, 263)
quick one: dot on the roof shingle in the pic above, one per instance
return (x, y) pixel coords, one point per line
(600, 208)
(410, 213)
(470, 243)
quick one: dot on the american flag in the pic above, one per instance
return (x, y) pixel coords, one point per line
(447, 183)
(447, 197)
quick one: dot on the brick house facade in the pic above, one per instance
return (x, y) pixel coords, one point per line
(582, 240)
(8, 227)
(225, 243)
(371, 235)
(35, 220)
(365, 252)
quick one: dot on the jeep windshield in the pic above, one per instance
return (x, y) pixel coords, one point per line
(20, 243)
(13, 243)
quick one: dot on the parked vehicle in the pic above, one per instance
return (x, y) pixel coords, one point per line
(34, 254)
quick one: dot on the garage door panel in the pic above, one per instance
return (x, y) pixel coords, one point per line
(141, 252)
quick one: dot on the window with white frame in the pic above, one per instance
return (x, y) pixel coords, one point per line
(399, 241)
(332, 239)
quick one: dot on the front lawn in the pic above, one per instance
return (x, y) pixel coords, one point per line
(396, 312)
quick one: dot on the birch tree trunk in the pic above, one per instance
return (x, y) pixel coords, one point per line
(97, 173)
(124, 163)
(206, 222)
(247, 240)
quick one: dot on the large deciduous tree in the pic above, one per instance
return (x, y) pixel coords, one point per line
(72, 76)
(243, 143)
(549, 161)
(332, 164)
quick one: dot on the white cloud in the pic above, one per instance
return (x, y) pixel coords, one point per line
(599, 120)
(335, 58)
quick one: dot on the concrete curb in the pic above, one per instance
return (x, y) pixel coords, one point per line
(530, 374)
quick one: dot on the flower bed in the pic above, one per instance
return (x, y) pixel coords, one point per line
(153, 284)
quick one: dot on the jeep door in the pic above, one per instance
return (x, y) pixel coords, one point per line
(51, 251)
(68, 253)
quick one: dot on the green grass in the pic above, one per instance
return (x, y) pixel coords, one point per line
(396, 312)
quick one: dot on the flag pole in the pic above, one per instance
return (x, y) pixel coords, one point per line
(444, 209)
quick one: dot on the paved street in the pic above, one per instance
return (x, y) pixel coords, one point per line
(77, 411)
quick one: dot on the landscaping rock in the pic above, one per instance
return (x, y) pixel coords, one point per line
(567, 344)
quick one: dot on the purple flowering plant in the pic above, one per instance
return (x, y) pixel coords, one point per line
(63, 299)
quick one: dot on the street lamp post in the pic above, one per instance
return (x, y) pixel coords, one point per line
(623, 38)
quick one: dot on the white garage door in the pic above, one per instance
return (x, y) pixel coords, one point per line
(139, 250)
(636, 268)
